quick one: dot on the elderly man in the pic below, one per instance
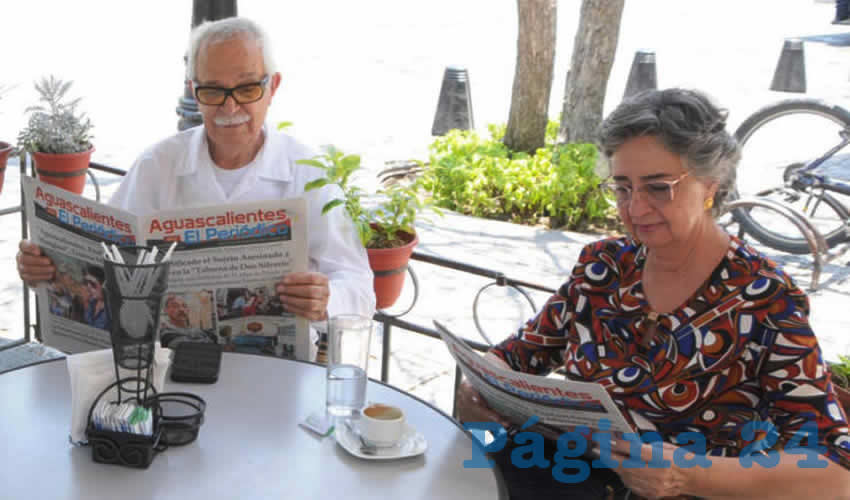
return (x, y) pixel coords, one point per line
(236, 157)
(176, 312)
(176, 327)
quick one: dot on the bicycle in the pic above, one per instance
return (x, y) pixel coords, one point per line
(790, 153)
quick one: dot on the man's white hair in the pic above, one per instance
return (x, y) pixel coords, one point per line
(225, 29)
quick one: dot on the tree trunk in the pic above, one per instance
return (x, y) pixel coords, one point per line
(590, 67)
(535, 62)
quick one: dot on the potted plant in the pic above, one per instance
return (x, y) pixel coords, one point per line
(841, 381)
(386, 230)
(58, 137)
(5, 148)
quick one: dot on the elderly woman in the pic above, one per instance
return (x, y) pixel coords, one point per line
(688, 328)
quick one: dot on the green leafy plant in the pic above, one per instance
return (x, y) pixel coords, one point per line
(55, 126)
(396, 215)
(383, 226)
(479, 176)
(841, 372)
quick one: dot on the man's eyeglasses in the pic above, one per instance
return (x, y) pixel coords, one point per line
(92, 283)
(656, 192)
(242, 94)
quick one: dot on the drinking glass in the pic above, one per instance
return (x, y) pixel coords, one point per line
(349, 336)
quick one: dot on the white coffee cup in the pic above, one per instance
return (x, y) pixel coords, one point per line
(382, 425)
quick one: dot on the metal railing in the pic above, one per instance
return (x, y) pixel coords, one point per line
(8, 211)
(817, 243)
(387, 320)
(499, 279)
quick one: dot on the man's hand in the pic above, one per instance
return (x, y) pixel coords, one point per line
(305, 294)
(33, 266)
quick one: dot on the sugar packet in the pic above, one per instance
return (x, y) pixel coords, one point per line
(318, 423)
(91, 372)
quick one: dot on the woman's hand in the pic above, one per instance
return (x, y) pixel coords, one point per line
(650, 482)
(33, 266)
(471, 407)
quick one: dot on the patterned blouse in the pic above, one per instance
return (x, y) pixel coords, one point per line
(740, 349)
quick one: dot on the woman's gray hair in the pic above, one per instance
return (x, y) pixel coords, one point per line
(225, 29)
(688, 124)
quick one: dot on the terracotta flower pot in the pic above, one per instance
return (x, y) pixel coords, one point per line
(5, 149)
(390, 266)
(67, 171)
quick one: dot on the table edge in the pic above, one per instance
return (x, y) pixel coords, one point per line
(500, 480)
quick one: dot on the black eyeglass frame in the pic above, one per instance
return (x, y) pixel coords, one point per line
(230, 92)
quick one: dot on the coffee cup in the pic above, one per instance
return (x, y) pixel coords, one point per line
(382, 425)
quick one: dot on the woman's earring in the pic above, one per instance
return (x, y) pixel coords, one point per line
(709, 202)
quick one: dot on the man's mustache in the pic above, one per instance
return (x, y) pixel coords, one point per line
(224, 121)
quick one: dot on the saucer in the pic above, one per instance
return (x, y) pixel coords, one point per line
(412, 443)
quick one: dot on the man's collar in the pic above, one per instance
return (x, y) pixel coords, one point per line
(272, 161)
(195, 151)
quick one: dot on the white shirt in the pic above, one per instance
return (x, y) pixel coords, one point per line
(178, 173)
(228, 179)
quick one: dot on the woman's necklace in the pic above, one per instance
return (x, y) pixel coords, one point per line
(649, 329)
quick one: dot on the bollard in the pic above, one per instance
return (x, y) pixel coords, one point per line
(790, 74)
(642, 76)
(454, 109)
(842, 12)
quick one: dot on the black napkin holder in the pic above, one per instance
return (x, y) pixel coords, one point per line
(125, 448)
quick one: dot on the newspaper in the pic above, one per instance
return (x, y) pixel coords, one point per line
(559, 404)
(221, 281)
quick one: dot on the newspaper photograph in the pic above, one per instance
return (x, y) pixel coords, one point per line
(560, 404)
(221, 287)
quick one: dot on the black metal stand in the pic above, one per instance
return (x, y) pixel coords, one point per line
(202, 10)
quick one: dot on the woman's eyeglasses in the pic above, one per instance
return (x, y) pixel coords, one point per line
(655, 192)
(242, 94)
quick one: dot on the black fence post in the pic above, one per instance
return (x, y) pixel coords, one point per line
(385, 352)
(202, 10)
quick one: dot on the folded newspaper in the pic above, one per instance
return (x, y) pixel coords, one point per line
(222, 278)
(559, 404)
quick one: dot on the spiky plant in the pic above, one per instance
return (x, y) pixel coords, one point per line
(55, 126)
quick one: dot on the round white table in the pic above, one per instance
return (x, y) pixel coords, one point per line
(249, 446)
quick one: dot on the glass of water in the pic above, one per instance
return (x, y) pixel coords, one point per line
(349, 336)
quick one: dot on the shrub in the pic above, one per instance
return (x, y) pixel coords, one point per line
(481, 177)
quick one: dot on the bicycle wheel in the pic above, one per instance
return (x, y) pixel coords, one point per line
(775, 140)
